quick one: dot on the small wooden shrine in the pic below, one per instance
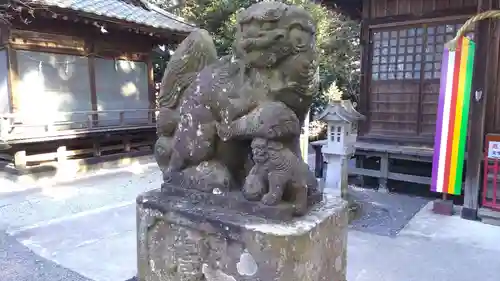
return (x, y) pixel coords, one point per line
(77, 76)
(402, 48)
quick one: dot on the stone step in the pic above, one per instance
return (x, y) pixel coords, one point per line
(489, 216)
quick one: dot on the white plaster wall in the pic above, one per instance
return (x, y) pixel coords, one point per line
(122, 85)
(51, 84)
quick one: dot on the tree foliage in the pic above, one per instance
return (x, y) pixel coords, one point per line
(336, 38)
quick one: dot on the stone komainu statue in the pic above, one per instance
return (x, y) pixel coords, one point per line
(211, 110)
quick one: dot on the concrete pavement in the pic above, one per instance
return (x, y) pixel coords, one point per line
(18, 263)
(431, 247)
(87, 225)
(85, 230)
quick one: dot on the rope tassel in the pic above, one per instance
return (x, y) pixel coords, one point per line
(468, 25)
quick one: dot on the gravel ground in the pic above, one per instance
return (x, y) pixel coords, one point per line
(382, 213)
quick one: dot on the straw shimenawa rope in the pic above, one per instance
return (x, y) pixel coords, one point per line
(493, 14)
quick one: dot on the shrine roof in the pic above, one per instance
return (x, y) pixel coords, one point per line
(138, 12)
(343, 109)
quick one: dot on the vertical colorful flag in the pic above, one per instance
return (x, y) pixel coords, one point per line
(452, 117)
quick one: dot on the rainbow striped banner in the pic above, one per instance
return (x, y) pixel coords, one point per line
(452, 117)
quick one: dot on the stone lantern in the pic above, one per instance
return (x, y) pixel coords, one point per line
(341, 119)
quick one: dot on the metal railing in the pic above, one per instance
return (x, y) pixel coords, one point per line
(17, 126)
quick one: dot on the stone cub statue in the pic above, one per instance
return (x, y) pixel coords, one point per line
(283, 172)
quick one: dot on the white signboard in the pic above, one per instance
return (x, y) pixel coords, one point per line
(494, 149)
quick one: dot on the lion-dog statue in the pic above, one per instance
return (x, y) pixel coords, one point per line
(212, 110)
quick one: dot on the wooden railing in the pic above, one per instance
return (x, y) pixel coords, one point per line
(16, 126)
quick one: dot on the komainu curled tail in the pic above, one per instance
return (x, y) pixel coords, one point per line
(191, 56)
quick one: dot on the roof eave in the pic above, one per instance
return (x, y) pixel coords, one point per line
(340, 110)
(162, 33)
(158, 31)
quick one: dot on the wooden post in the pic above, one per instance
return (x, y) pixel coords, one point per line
(97, 148)
(93, 91)
(360, 163)
(484, 74)
(4, 128)
(90, 121)
(49, 127)
(151, 117)
(13, 80)
(318, 161)
(151, 88)
(20, 160)
(122, 118)
(384, 172)
(126, 143)
(366, 56)
(61, 155)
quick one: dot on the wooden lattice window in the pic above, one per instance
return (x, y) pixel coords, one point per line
(437, 36)
(401, 54)
(396, 54)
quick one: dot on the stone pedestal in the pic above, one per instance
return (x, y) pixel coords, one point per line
(337, 173)
(188, 239)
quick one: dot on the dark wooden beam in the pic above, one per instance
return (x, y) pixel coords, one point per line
(61, 33)
(486, 64)
(93, 88)
(151, 88)
(13, 80)
(64, 41)
(365, 67)
(392, 137)
(405, 18)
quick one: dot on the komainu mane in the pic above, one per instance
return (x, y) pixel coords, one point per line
(212, 109)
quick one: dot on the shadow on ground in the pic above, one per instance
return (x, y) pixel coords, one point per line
(382, 213)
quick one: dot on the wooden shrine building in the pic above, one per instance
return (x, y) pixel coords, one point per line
(77, 76)
(402, 44)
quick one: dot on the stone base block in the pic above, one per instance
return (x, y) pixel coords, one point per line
(443, 207)
(469, 214)
(187, 240)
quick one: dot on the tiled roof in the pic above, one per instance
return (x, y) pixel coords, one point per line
(120, 9)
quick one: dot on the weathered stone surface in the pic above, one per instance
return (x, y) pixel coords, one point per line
(234, 200)
(228, 147)
(180, 239)
(213, 111)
